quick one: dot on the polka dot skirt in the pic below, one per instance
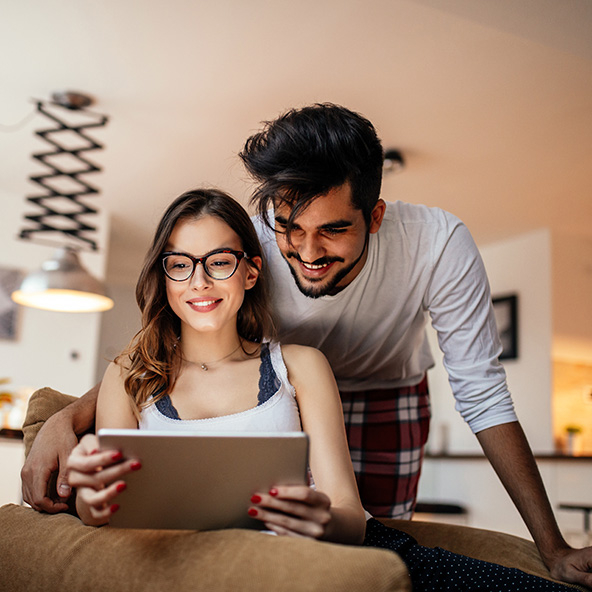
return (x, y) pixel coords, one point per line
(436, 569)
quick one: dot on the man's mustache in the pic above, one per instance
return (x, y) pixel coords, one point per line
(321, 261)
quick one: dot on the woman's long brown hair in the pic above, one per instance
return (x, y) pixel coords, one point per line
(152, 360)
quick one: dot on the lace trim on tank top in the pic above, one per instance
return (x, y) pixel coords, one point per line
(269, 383)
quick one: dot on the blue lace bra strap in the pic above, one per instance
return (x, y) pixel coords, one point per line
(165, 406)
(269, 383)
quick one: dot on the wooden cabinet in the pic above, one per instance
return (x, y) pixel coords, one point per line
(469, 480)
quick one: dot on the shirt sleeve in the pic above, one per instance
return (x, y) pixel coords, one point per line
(458, 300)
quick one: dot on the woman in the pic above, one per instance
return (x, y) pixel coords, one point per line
(201, 362)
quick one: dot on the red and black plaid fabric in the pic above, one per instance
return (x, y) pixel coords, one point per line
(387, 430)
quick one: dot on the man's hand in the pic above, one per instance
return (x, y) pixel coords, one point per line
(49, 453)
(574, 566)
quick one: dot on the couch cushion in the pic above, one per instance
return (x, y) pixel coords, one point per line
(47, 553)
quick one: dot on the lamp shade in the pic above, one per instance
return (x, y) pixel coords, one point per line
(62, 284)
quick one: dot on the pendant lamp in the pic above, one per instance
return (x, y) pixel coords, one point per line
(63, 284)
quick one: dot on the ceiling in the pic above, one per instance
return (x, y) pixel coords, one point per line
(490, 102)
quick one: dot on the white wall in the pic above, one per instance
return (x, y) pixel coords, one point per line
(522, 266)
(118, 325)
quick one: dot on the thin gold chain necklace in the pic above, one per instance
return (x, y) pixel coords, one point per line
(206, 366)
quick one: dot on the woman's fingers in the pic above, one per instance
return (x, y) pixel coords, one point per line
(89, 467)
(103, 497)
(284, 524)
(298, 500)
(293, 510)
(102, 503)
(87, 458)
(101, 476)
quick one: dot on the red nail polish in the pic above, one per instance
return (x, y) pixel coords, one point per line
(121, 487)
(114, 508)
(252, 512)
(255, 499)
(136, 466)
(94, 451)
(273, 491)
(117, 456)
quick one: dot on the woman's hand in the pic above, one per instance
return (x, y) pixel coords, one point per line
(293, 510)
(97, 475)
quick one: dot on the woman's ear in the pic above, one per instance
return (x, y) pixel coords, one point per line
(253, 268)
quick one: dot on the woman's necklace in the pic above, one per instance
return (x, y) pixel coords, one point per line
(205, 367)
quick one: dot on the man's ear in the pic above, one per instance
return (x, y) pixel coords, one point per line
(376, 216)
(253, 272)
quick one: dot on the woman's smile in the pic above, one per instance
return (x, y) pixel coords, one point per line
(204, 304)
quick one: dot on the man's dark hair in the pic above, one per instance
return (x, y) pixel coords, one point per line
(306, 152)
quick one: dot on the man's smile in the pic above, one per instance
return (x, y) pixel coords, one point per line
(313, 266)
(316, 270)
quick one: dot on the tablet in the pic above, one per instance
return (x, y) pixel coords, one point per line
(202, 481)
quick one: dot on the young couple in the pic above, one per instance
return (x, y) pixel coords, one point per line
(357, 278)
(202, 361)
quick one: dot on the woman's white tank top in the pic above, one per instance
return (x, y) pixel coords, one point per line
(279, 413)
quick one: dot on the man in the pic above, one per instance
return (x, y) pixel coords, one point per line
(357, 277)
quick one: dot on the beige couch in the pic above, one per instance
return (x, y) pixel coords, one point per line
(42, 552)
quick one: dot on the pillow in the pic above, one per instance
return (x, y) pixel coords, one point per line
(57, 553)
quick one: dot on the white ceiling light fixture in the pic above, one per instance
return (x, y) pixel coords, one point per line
(63, 285)
(393, 161)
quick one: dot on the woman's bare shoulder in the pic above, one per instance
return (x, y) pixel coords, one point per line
(118, 369)
(306, 365)
(299, 354)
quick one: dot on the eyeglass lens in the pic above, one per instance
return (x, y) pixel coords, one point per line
(219, 266)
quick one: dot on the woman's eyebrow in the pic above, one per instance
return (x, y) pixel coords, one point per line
(184, 252)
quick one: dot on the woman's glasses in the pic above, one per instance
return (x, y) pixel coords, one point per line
(219, 264)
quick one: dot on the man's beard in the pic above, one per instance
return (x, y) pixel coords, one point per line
(325, 289)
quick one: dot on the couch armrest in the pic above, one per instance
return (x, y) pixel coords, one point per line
(42, 405)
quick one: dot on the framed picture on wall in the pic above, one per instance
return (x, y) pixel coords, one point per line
(505, 309)
(9, 282)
